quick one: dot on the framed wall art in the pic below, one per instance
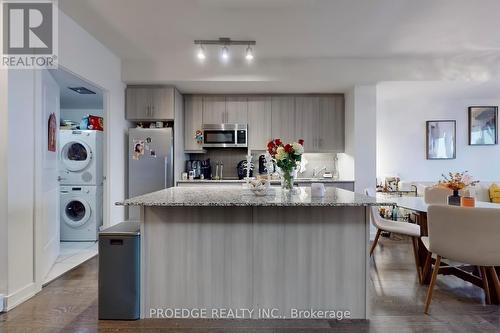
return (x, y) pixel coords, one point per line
(441, 139)
(483, 124)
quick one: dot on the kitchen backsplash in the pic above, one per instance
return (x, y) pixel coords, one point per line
(231, 157)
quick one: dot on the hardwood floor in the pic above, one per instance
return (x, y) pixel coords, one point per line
(69, 304)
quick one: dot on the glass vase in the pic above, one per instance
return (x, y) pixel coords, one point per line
(287, 179)
(454, 199)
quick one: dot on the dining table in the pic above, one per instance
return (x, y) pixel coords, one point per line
(469, 273)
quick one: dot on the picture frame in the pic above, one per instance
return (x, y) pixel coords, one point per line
(441, 139)
(483, 125)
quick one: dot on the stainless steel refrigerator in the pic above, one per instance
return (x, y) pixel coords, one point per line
(150, 162)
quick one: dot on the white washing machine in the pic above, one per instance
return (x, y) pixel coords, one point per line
(80, 157)
(81, 212)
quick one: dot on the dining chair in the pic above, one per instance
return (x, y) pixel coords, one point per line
(439, 195)
(400, 228)
(466, 235)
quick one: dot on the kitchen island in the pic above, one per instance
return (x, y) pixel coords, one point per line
(213, 250)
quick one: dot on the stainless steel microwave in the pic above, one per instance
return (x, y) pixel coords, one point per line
(225, 135)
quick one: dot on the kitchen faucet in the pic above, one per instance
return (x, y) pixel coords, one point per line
(316, 173)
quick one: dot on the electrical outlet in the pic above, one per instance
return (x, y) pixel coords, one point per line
(2, 303)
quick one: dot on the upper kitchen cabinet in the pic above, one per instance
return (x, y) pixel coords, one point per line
(331, 124)
(259, 122)
(283, 118)
(319, 120)
(193, 118)
(306, 121)
(214, 110)
(236, 110)
(150, 103)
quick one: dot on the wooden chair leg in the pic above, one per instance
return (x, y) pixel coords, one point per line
(414, 241)
(496, 282)
(486, 286)
(431, 285)
(375, 241)
(427, 266)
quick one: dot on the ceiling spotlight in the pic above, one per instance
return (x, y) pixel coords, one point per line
(225, 53)
(249, 54)
(201, 53)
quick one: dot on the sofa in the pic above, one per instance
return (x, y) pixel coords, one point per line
(480, 191)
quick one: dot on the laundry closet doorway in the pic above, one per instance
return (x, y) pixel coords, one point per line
(69, 176)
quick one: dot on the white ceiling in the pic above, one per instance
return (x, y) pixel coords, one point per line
(315, 45)
(71, 99)
(446, 90)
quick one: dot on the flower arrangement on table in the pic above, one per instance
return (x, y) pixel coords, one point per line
(457, 181)
(287, 157)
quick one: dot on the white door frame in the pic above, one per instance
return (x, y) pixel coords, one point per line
(38, 173)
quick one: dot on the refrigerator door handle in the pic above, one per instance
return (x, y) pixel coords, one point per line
(166, 172)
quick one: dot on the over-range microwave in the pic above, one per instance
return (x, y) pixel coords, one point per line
(225, 135)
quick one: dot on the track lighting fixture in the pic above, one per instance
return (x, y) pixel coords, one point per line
(225, 43)
(225, 53)
(201, 53)
(249, 53)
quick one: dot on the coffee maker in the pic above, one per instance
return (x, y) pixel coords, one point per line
(206, 169)
(199, 168)
(195, 167)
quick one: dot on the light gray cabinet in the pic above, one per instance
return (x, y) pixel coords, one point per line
(214, 110)
(236, 109)
(193, 115)
(306, 121)
(283, 118)
(138, 103)
(319, 120)
(149, 103)
(316, 118)
(331, 124)
(259, 122)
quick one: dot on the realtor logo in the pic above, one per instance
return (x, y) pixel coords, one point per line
(29, 34)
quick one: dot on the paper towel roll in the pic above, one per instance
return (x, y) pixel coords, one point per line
(317, 190)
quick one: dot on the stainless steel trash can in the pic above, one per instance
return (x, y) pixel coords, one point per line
(119, 272)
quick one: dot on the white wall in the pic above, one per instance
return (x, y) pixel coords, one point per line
(401, 138)
(77, 114)
(360, 148)
(84, 56)
(3, 181)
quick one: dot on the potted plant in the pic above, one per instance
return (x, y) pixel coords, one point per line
(287, 157)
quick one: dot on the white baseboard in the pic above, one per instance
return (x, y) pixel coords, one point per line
(2, 303)
(19, 296)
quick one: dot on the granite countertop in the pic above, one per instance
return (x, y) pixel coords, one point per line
(273, 182)
(239, 196)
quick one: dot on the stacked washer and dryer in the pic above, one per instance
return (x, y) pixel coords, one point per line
(81, 179)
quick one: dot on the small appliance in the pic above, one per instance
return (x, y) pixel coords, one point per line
(81, 212)
(206, 169)
(225, 135)
(195, 167)
(81, 157)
